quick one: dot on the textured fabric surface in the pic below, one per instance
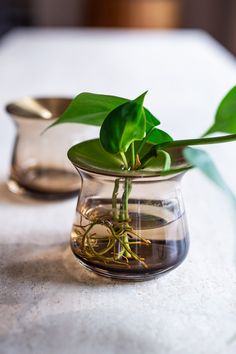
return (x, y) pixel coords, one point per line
(49, 303)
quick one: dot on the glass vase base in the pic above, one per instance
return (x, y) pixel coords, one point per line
(131, 277)
(16, 188)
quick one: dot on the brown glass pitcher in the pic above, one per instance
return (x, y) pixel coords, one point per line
(40, 167)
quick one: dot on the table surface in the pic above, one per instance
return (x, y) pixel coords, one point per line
(49, 303)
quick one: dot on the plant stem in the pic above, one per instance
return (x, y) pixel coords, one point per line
(188, 142)
(124, 208)
(124, 213)
(149, 156)
(167, 160)
(122, 154)
(200, 141)
(117, 249)
(118, 237)
(132, 155)
(127, 249)
(114, 200)
(145, 140)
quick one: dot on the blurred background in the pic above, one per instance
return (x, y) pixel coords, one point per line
(217, 17)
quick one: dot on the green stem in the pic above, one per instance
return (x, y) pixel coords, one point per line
(114, 200)
(101, 253)
(181, 143)
(200, 141)
(126, 242)
(132, 155)
(124, 213)
(126, 246)
(149, 156)
(119, 237)
(122, 154)
(86, 232)
(167, 160)
(124, 208)
(141, 146)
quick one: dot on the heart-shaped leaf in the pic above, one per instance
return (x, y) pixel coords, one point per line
(123, 125)
(90, 156)
(92, 109)
(225, 118)
(151, 121)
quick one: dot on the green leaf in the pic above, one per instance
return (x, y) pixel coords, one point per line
(92, 109)
(203, 161)
(90, 156)
(159, 136)
(123, 125)
(225, 118)
(150, 119)
(154, 136)
(160, 161)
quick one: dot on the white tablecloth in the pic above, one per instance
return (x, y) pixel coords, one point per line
(49, 303)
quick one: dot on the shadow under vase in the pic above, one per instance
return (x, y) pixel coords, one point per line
(44, 183)
(24, 265)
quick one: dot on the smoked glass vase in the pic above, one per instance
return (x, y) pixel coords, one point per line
(130, 228)
(39, 166)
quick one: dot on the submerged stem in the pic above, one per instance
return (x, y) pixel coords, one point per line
(124, 213)
(124, 207)
(117, 246)
(126, 242)
(114, 199)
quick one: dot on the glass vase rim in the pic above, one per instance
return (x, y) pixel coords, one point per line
(38, 107)
(180, 168)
